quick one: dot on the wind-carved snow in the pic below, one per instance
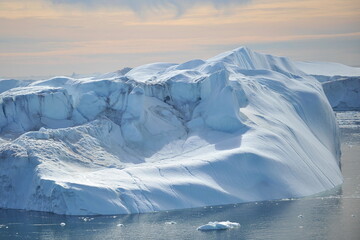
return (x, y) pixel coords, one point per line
(238, 127)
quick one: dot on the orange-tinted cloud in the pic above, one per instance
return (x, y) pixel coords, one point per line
(45, 30)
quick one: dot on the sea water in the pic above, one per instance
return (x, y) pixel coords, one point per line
(331, 215)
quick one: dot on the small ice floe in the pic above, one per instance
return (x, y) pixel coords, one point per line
(300, 216)
(287, 199)
(170, 223)
(120, 225)
(62, 224)
(218, 226)
(86, 219)
(301, 226)
(352, 215)
(3, 226)
(114, 216)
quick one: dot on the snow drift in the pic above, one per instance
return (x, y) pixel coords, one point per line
(239, 127)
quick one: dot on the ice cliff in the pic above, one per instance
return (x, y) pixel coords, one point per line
(239, 127)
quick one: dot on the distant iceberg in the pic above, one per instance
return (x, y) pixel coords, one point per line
(329, 69)
(343, 93)
(239, 127)
(341, 83)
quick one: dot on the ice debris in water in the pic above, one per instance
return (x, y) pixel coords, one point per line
(62, 224)
(86, 219)
(170, 223)
(120, 225)
(300, 216)
(218, 226)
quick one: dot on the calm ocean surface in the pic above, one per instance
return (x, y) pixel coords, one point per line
(332, 215)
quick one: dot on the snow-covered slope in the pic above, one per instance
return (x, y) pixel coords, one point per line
(238, 127)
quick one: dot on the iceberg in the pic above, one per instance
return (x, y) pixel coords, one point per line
(241, 126)
(343, 93)
(341, 83)
(328, 69)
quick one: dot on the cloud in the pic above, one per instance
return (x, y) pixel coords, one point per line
(144, 7)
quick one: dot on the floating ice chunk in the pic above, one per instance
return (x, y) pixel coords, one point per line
(300, 216)
(86, 219)
(218, 226)
(170, 223)
(62, 224)
(2, 226)
(120, 225)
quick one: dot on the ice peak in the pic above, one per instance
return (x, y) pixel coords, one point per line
(242, 50)
(245, 58)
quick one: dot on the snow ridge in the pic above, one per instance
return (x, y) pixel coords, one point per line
(241, 126)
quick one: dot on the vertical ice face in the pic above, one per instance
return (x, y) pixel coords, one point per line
(241, 126)
(135, 104)
(133, 117)
(221, 102)
(90, 105)
(28, 109)
(224, 113)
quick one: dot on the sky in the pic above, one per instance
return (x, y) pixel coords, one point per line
(60, 37)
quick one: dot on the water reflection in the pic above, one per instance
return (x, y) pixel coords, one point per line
(309, 218)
